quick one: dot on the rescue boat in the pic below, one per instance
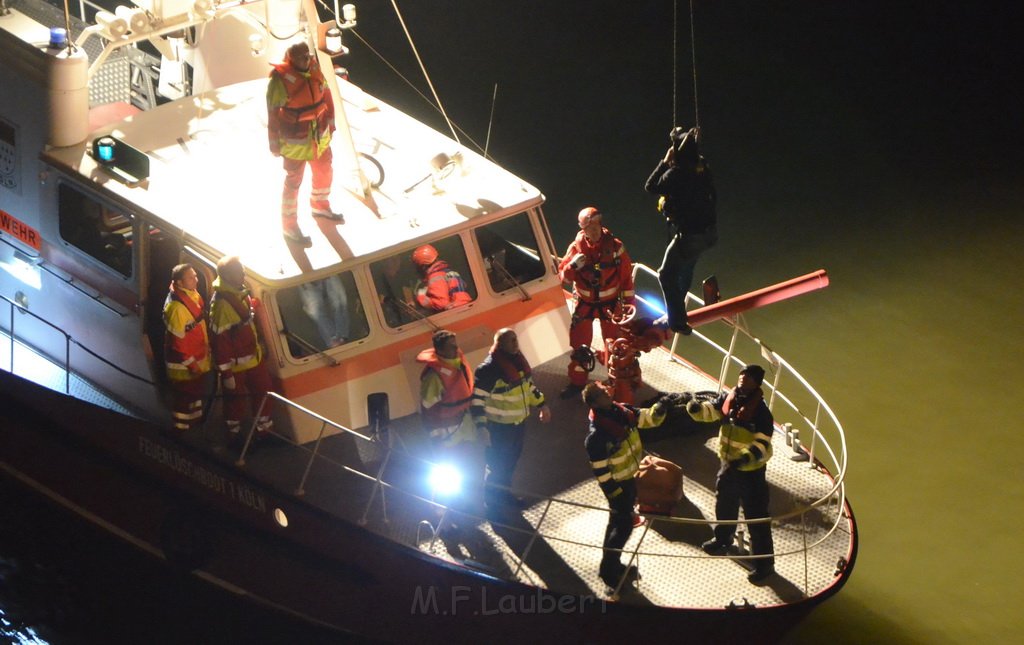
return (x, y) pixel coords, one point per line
(108, 133)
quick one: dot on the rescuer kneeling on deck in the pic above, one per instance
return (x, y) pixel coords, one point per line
(744, 448)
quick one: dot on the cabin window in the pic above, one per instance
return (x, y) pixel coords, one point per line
(510, 252)
(322, 314)
(95, 229)
(438, 279)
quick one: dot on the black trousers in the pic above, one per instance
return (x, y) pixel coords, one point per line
(620, 526)
(503, 453)
(749, 489)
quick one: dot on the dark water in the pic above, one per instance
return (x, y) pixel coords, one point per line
(882, 141)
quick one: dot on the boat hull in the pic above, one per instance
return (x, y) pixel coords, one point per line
(200, 514)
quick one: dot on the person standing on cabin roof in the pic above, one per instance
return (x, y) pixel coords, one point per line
(601, 273)
(237, 350)
(615, 451)
(300, 120)
(684, 182)
(503, 395)
(186, 347)
(440, 287)
(744, 448)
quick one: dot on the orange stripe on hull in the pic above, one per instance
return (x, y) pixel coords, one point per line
(382, 358)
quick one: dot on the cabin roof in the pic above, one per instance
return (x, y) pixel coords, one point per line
(212, 177)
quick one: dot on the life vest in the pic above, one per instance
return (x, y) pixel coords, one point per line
(193, 345)
(455, 288)
(300, 125)
(504, 391)
(235, 342)
(457, 384)
(604, 278)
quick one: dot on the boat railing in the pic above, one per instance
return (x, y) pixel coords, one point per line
(387, 470)
(40, 347)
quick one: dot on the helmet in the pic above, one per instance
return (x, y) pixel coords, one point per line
(424, 255)
(588, 215)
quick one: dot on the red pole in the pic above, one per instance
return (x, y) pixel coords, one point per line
(760, 298)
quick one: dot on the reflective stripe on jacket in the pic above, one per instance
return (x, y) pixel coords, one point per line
(614, 446)
(748, 444)
(443, 288)
(300, 111)
(608, 273)
(496, 400)
(235, 341)
(185, 340)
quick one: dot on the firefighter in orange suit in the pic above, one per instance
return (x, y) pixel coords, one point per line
(237, 350)
(601, 273)
(300, 120)
(441, 287)
(186, 347)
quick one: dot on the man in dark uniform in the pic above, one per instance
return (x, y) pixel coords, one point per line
(614, 449)
(683, 179)
(744, 448)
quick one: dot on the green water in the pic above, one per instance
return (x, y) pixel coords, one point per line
(881, 141)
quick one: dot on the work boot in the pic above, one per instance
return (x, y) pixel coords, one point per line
(761, 573)
(612, 575)
(714, 547)
(330, 216)
(297, 238)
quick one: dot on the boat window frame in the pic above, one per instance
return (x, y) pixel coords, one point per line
(95, 259)
(467, 244)
(534, 217)
(273, 297)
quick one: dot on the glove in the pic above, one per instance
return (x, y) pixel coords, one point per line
(578, 261)
(693, 407)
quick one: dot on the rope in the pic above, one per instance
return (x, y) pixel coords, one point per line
(675, 60)
(410, 84)
(693, 59)
(408, 36)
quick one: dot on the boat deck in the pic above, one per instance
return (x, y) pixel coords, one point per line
(555, 541)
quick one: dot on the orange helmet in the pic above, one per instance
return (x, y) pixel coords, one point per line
(588, 215)
(424, 255)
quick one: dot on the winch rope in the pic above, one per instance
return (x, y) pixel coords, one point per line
(411, 85)
(693, 59)
(437, 99)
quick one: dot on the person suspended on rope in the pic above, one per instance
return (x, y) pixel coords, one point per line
(684, 183)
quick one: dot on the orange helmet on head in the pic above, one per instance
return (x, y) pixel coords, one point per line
(424, 256)
(587, 215)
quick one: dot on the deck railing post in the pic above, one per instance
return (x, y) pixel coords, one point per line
(533, 538)
(301, 490)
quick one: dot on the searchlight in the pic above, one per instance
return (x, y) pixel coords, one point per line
(445, 479)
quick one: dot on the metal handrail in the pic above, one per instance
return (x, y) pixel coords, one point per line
(381, 484)
(69, 340)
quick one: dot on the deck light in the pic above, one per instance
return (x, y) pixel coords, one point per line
(445, 479)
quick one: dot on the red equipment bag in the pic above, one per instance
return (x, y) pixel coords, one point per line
(659, 485)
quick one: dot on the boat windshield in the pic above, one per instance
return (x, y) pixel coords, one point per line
(320, 315)
(432, 278)
(510, 252)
